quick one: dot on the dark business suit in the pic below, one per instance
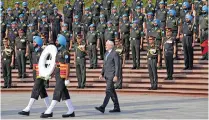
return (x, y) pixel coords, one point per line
(109, 71)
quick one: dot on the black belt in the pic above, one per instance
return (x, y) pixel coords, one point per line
(92, 43)
(152, 58)
(80, 57)
(166, 50)
(19, 49)
(134, 38)
(187, 35)
(125, 33)
(5, 59)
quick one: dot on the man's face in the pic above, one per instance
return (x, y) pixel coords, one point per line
(108, 46)
(34, 44)
(9, 12)
(109, 25)
(79, 40)
(31, 27)
(169, 33)
(174, 1)
(21, 19)
(138, 10)
(123, 3)
(92, 28)
(134, 25)
(149, 16)
(124, 18)
(67, 2)
(32, 12)
(149, 1)
(151, 41)
(17, 5)
(76, 19)
(86, 12)
(6, 43)
(64, 27)
(44, 19)
(161, 6)
(114, 10)
(20, 33)
(13, 26)
(41, 6)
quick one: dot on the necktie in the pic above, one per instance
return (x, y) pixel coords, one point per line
(107, 55)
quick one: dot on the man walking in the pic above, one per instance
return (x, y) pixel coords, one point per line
(110, 74)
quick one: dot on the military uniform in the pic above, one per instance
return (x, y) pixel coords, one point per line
(157, 6)
(107, 5)
(76, 29)
(49, 8)
(29, 35)
(17, 12)
(174, 23)
(168, 45)
(176, 7)
(183, 14)
(95, 11)
(68, 37)
(21, 46)
(33, 19)
(124, 33)
(3, 28)
(12, 34)
(120, 50)
(188, 29)
(149, 26)
(100, 31)
(87, 20)
(203, 24)
(161, 14)
(22, 25)
(92, 48)
(150, 8)
(152, 65)
(40, 13)
(80, 65)
(115, 20)
(140, 17)
(68, 16)
(6, 59)
(56, 19)
(110, 34)
(135, 39)
(44, 28)
(78, 8)
(9, 19)
(136, 3)
(26, 13)
(124, 10)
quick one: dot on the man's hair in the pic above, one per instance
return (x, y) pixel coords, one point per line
(110, 42)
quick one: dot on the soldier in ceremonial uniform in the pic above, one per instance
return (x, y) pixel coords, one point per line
(38, 88)
(44, 28)
(21, 50)
(17, 10)
(124, 9)
(188, 32)
(78, 8)
(87, 20)
(55, 20)
(173, 23)
(110, 33)
(136, 3)
(68, 36)
(158, 33)
(9, 17)
(114, 17)
(7, 61)
(124, 34)
(40, 12)
(150, 7)
(25, 10)
(3, 26)
(22, 23)
(95, 11)
(60, 91)
(76, 27)
(136, 44)
(184, 10)
(93, 45)
(68, 15)
(12, 33)
(107, 5)
(100, 31)
(30, 33)
(152, 53)
(50, 8)
(33, 19)
(168, 51)
(120, 50)
(148, 24)
(175, 6)
(203, 28)
(80, 61)
(161, 14)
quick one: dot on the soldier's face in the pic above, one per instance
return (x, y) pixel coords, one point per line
(64, 28)
(134, 25)
(149, 1)
(86, 12)
(17, 5)
(109, 25)
(9, 12)
(13, 26)
(20, 33)
(44, 19)
(174, 1)
(187, 20)
(161, 6)
(138, 10)
(155, 24)
(92, 28)
(6, 43)
(79, 40)
(151, 41)
(67, 2)
(21, 19)
(169, 33)
(31, 27)
(124, 18)
(123, 3)
(41, 6)
(76, 20)
(34, 44)
(149, 16)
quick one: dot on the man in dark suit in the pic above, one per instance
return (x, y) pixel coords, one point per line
(110, 74)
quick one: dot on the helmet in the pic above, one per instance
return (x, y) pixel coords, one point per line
(156, 21)
(61, 40)
(1, 3)
(188, 16)
(186, 4)
(38, 40)
(205, 8)
(24, 4)
(150, 13)
(173, 12)
(92, 25)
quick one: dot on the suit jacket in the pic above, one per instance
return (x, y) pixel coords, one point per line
(110, 67)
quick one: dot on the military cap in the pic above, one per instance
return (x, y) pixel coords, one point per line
(138, 7)
(87, 9)
(43, 16)
(41, 3)
(20, 30)
(101, 16)
(79, 36)
(21, 15)
(109, 22)
(30, 25)
(17, 2)
(151, 37)
(14, 22)
(161, 2)
(123, 0)
(55, 8)
(114, 7)
(32, 9)
(125, 15)
(64, 25)
(9, 9)
(76, 16)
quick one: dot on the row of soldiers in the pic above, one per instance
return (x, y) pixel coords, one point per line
(101, 22)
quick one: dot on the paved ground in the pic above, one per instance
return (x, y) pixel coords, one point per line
(132, 107)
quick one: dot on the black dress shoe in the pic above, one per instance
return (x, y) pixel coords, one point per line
(4, 87)
(203, 58)
(94, 67)
(190, 68)
(102, 110)
(46, 115)
(115, 110)
(155, 88)
(24, 113)
(133, 68)
(166, 78)
(150, 88)
(68, 115)
(185, 68)
(9, 87)
(90, 67)
(170, 78)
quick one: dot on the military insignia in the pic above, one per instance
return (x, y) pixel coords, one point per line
(80, 2)
(126, 9)
(42, 12)
(58, 17)
(108, 1)
(97, 6)
(127, 24)
(24, 24)
(34, 17)
(140, 16)
(15, 32)
(22, 40)
(70, 8)
(89, 17)
(46, 26)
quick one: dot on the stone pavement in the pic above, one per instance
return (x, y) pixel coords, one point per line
(132, 107)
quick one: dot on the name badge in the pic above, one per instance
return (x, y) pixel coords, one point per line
(22, 40)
